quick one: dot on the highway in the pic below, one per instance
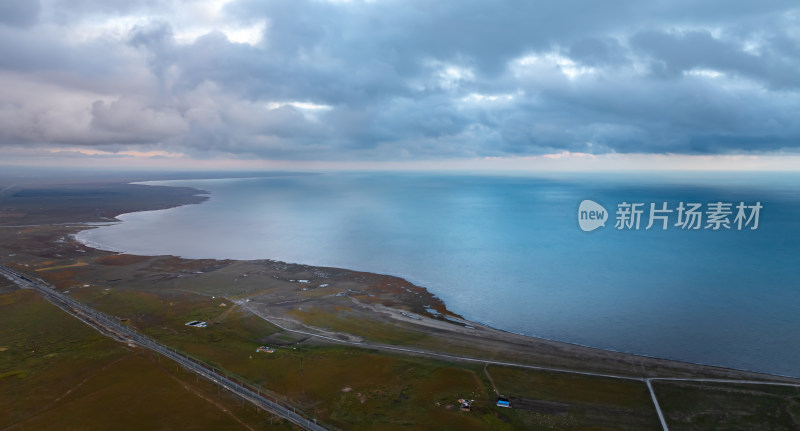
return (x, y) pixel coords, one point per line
(113, 328)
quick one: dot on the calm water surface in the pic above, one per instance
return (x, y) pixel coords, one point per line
(507, 251)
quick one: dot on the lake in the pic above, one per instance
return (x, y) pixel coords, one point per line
(507, 251)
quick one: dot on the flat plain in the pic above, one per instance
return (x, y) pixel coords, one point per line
(336, 336)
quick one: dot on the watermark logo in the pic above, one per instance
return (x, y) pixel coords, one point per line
(591, 215)
(685, 216)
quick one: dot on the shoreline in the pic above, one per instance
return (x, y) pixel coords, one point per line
(535, 350)
(509, 333)
(199, 193)
(447, 311)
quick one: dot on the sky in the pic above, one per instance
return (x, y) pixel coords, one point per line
(462, 84)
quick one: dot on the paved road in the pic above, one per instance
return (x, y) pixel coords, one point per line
(658, 407)
(418, 352)
(646, 380)
(112, 327)
(96, 318)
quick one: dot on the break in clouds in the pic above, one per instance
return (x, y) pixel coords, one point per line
(405, 79)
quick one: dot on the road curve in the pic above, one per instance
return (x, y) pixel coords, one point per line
(112, 327)
(646, 380)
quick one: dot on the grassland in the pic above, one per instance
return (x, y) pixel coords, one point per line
(556, 400)
(57, 373)
(53, 368)
(94, 202)
(694, 407)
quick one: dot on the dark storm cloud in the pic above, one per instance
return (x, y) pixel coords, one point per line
(70, 10)
(19, 13)
(408, 79)
(597, 51)
(674, 54)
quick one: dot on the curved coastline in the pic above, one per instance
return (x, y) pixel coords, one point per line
(199, 193)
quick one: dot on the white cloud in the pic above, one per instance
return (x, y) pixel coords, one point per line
(706, 73)
(299, 105)
(554, 60)
(251, 35)
(451, 76)
(481, 98)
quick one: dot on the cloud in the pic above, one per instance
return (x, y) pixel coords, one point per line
(597, 51)
(132, 120)
(19, 13)
(401, 80)
(674, 54)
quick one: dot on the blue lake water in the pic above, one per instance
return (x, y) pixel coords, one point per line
(507, 251)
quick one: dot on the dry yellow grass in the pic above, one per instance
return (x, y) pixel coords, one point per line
(74, 265)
